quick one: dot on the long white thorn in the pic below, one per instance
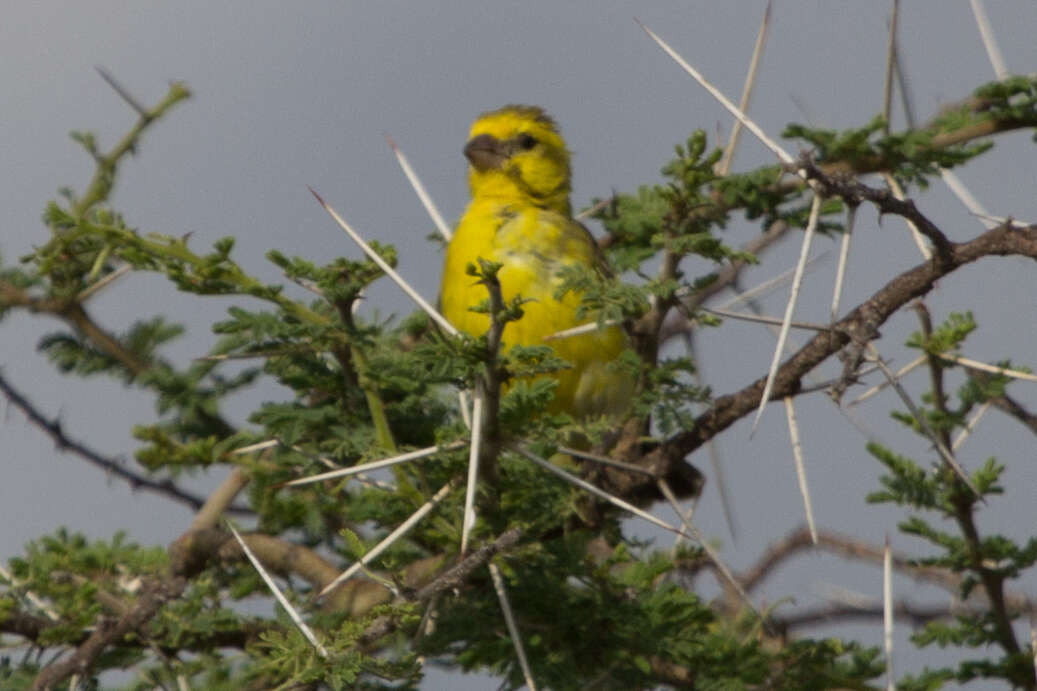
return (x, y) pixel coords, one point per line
(509, 619)
(101, 283)
(844, 255)
(695, 535)
(32, 597)
(764, 319)
(299, 623)
(997, 60)
(605, 460)
(797, 280)
(891, 61)
(965, 196)
(1033, 638)
(887, 613)
(998, 220)
(389, 271)
(976, 364)
(589, 327)
(326, 461)
(419, 189)
(392, 537)
(466, 408)
(375, 465)
(917, 362)
(942, 450)
(782, 155)
(747, 91)
(682, 516)
(898, 193)
(473, 472)
(768, 285)
(713, 450)
(583, 484)
(591, 210)
(801, 471)
(260, 446)
(970, 425)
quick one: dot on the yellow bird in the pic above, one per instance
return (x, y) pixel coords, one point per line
(520, 217)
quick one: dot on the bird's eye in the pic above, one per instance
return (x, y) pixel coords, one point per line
(527, 141)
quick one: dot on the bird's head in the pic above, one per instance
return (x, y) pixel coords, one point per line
(516, 152)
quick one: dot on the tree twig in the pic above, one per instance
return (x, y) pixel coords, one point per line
(114, 467)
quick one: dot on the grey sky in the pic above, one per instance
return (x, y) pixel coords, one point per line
(294, 94)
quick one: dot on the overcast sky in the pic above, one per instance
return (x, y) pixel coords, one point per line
(294, 94)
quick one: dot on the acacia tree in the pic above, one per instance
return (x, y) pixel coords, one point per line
(593, 607)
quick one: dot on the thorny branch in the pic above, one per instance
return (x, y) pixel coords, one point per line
(450, 579)
(860, 326)
(156, 594)
(800, 540)
(1007, 404)
(111, 466)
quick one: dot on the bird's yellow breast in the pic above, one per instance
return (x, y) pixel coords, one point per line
(532, 244)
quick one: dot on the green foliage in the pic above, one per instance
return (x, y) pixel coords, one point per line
(946, 337)
(595, 605)
(980, 563)
(75, 575)
(911, 155)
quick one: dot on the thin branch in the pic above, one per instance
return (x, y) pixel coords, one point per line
(1009, 405)
(800, 540)
(123, 92)
(693, 533)
(450, 579)
(918, 615)
(859, 325)
(111, 466)
(220, 500)
(729, 274)
(923, 424)
(153, 597)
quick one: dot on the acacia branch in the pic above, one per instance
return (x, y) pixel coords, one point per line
(800, 540)
(903, 610)
(450, 579)
(859, 326)
(114, 467)
(155, 595)
(1006, 403)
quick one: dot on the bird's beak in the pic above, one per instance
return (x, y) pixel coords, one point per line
(485, 152)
